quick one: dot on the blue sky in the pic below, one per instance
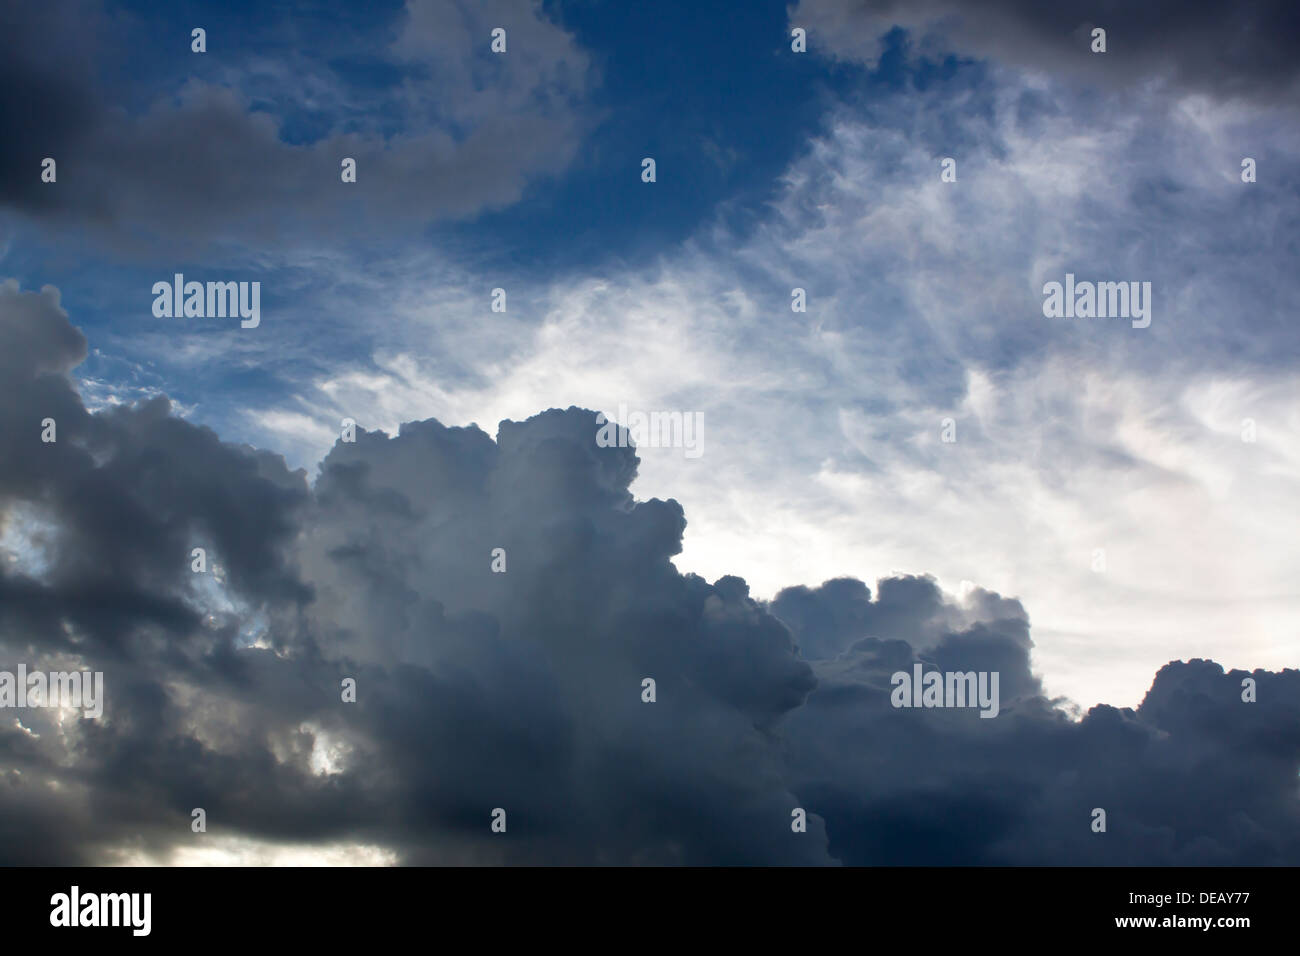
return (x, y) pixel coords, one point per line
(923, 469)
(775, 170)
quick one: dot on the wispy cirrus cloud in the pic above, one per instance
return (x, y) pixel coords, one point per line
(924, 305)
(522, 689)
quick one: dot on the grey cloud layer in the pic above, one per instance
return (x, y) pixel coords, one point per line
(1245, 49)
(209, 160)
(1192, 777)
(522, 690)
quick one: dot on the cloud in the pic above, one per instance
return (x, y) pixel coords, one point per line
(212, 160)
(823, 438)
(1245, 50)
(944, 787)
(522, 689)
(478, 690)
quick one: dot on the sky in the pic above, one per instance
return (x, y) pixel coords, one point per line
(920, 465)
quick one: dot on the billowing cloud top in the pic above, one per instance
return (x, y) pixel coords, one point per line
(522, 689)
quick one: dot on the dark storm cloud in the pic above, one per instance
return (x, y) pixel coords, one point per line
(46, 93)
(522, 690)
(107, 515)
(1248, 49)
(195, 155)
(1194, 776)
